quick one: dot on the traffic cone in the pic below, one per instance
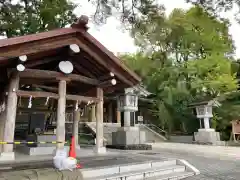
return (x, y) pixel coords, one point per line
(72, 150)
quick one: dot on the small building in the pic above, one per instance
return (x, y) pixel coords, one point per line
(55, 76)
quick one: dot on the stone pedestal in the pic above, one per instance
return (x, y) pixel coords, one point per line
(101, 150)
(208, 136)
(7, 156)
(128, 136)
(39, 149)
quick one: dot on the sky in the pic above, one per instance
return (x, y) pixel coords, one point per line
(117, 41)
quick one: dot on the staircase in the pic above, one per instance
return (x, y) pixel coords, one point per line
(155, 170)
(153, 133)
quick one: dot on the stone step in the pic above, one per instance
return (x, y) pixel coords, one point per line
(127, 168)
(172, 176)
(141, 174)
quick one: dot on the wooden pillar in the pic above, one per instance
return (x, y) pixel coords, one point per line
(76, 119)
(61, 113)
(2, 123)
(99, 123)
(118, 116)
(110, 113)
(93, 113)
(11, 111)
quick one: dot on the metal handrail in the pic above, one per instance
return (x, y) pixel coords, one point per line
(154, 127)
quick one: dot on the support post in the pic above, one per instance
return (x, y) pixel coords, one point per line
(61, 113)
(127, 119)
(93, 113)
(76, 119)
(99, 123)
(118, 116)
(2, 122)
(9, 125)
(110, 113)
(206, 123)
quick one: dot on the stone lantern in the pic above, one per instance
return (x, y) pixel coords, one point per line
(205, 112)
(127, 103)
(205, 133)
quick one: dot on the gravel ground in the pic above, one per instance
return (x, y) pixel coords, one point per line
(211, 168)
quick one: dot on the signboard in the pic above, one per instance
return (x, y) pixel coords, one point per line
(140, 118)
(235, 129)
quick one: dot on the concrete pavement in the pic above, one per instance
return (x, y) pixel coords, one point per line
(214, 163)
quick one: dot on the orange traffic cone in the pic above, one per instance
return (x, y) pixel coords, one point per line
(72, 151)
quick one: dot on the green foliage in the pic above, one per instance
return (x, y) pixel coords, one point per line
(31, 16)
(184, 58)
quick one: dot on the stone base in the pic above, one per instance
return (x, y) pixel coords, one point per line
(209, 136)
(33, 151)
(7, 156)
(128, 136)
(101, 150)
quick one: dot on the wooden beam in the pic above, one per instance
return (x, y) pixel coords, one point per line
(108, 83)
(107, 77)
(83, 45)
(38, 62)
(37, 94)
(41, 94)
(79, 68)
(37, 46)
(44, 74)
(55, 89)
(81, 98)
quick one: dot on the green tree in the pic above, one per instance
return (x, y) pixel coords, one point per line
(183, 57)
(32, 16)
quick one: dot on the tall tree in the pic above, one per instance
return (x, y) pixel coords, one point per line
(31, 16)
(216, 7)
(189, 56)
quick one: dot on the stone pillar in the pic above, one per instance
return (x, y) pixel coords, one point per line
(9, 125)
(61, 113)
(110, 113)
(76, 119)
(99, 123)
(127, 119)
(206, 123)
(93, 113)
